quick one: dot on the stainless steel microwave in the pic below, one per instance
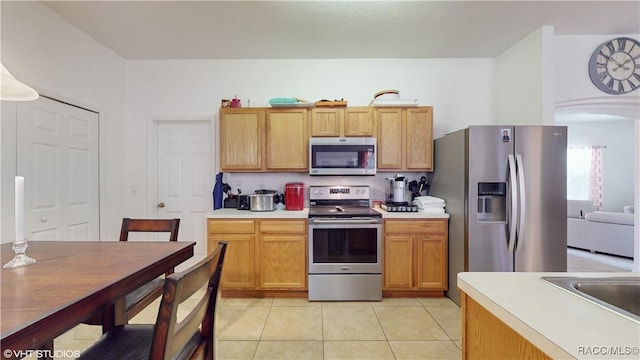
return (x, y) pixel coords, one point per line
(342, 156)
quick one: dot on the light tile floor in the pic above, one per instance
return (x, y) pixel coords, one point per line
(407, 328)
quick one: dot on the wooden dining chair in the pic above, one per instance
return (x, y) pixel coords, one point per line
(190, 337)
(143, 296)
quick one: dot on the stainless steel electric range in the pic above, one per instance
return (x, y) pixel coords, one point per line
(345, 244)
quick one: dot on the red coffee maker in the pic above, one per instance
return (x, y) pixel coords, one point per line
(294, 196)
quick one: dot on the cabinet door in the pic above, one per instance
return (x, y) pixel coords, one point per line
(238, 271)
(390, 138)
(398, 262)
(431, 261)
(419, 144)
(358, 121)
(283, 262)
(241, 133)
(326, 122)
(287, 139)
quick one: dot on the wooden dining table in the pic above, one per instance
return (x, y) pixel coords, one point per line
(71, 281)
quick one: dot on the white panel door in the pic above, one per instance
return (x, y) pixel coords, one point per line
(58, 156)
(184, 178)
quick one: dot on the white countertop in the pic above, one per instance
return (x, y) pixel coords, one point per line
(558, 322)
(300, 214)
(410, 215)
(246, 214)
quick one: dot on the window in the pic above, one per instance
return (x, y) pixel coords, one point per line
(578, 170)
(584, 174)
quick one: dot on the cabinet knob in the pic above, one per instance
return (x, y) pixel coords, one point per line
(161, 205)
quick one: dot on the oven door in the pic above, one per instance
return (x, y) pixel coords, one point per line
(345, 246)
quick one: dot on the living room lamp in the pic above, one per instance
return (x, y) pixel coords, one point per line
(14, 90)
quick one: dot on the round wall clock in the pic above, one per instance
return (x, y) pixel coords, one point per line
(614, 66)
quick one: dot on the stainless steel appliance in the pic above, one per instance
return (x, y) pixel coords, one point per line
(264, 200)
(505, 188)
(342, 156)
(345, 244)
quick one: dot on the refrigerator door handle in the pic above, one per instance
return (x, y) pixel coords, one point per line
(513, 185)
(521, 189)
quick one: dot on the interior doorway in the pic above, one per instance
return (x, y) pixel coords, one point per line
(184, 180)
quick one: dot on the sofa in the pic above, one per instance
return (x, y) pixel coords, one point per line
(600, 231)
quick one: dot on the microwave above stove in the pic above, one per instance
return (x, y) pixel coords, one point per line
(342, 156)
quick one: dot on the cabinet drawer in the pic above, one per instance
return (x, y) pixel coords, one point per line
(415, 227)
(230, 226)
(283, 227)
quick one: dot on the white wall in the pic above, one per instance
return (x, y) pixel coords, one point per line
(524, 90)
(59, 61)
(460, 90)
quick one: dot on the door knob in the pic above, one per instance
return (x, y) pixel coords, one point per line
(161, 205)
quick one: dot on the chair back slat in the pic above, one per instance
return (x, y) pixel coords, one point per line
(172, 336)
(170, 226)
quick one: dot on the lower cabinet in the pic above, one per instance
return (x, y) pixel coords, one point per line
(261, 254)
(484, 336)
(283, 253)
(415, 255)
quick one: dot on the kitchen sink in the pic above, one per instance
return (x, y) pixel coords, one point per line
(618, 294)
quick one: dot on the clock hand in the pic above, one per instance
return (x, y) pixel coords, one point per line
(609, 58)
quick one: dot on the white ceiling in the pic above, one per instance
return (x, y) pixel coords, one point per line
(335, 29)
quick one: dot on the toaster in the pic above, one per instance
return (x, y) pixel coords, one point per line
(243, 202)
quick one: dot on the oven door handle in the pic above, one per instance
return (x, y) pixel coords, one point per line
(345, 221)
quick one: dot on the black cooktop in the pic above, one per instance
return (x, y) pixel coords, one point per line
(342, 211)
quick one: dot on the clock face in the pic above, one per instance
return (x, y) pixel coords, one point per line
(614, 66)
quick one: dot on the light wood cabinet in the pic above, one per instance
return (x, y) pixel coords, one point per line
(239, 263)
(287, 140)
(358, 121)
(241, 139)
(484, 336)
(283, 249)
(342, 122)
(415, 254)
(327, 122)
(264, 140)
(405, 138)
(261, 254)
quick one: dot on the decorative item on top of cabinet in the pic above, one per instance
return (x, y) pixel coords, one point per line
(415, 256)
(405, 138)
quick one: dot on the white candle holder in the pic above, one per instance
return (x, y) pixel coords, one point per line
(20, 259)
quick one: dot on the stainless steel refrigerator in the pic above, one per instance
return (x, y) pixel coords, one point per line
(505, 190)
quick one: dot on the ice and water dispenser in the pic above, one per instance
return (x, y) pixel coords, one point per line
(492, 201)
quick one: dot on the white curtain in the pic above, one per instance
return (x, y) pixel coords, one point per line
(595, 178)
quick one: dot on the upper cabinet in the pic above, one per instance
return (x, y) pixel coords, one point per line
(277, 139)
(241, 139)
(342, 122)
(405, 138)
(287, 139)
(261, 140)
